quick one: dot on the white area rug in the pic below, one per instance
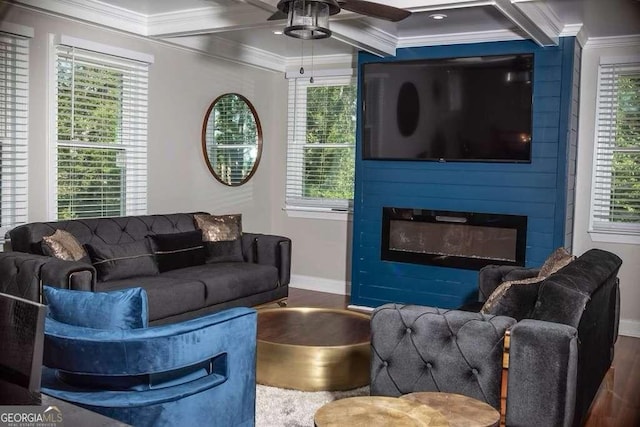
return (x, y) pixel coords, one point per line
(278, 407)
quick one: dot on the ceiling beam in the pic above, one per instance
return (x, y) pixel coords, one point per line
(539, 27)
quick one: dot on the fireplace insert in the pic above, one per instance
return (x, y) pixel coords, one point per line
(469, 240)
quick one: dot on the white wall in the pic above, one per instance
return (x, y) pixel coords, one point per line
(630, 254)
(182, 84)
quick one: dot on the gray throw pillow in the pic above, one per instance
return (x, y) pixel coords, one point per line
(113, 262)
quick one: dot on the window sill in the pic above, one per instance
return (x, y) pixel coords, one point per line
(318, 213)
(613, 237)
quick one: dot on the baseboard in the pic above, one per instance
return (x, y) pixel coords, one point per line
(320, 284)
(629, 328)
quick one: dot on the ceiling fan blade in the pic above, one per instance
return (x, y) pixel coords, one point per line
(376, 10)
(277, 16)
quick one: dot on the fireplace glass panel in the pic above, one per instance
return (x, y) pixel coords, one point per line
(452, 239)
(468, 240)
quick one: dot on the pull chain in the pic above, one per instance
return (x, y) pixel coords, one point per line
(312, 69)
(301, 56)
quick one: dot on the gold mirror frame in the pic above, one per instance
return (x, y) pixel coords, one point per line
(222, 171)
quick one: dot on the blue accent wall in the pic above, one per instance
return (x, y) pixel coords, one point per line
(536, 190)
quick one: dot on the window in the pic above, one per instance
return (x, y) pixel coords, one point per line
(101, 134)
(615, 200)
(321, 150)
(14, 91)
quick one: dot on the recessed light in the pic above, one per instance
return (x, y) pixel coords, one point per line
(438, 16)
(278, 32)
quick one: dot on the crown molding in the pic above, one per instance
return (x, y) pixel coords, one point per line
(207, 20)
(92, 11)
(632, 40)
(341, 62)
(571, 30)
(460, 38)
(365, 37)
(239, 53)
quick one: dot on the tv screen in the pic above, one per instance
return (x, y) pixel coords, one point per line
(453, 109)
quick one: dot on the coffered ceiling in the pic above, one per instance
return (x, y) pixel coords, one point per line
(239, 30)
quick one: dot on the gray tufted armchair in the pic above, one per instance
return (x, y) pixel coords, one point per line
(558, 354)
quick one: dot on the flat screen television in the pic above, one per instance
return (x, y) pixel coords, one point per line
(454, 109)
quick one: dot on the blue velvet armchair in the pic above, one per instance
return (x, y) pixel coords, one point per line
(200, 372)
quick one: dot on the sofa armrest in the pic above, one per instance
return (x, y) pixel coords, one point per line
(416, 348)
(74, 275)
(272, 250)
(543, 365)
(20, 274)
(491, 276)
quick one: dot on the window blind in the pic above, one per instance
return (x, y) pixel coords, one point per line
(14, 93)
(101, 125)
(615, 201)
(321, 143)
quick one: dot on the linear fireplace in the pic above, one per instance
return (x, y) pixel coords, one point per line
(466, 240)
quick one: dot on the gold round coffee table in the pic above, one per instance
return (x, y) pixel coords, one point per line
(313, 349)
(378, 411)
(459, 410)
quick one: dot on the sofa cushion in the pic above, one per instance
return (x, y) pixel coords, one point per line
(122, 309)
(113, 262)
(178, 250)
(222, 235)
(62, 244)
(228, 281)
(167, 296)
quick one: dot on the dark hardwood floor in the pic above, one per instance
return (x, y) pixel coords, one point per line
(617, 403)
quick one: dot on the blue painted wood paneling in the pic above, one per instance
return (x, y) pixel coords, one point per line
(536, 190)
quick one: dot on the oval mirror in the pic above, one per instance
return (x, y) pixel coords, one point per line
(232, 139)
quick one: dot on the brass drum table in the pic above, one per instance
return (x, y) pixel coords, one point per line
(459, 410)
(313, 349)
(378, 411)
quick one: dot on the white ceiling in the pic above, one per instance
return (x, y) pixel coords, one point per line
(239, 30)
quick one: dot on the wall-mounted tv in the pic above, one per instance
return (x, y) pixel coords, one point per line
(453, 109)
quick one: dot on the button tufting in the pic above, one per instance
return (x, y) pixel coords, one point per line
(429, 365)
(408, 330)
(385, 363)
(474, 371)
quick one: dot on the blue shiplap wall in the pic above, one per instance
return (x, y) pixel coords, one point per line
(537, 190)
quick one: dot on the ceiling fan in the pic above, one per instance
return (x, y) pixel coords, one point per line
(309, 19)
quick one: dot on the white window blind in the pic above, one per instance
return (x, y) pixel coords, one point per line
(615, 200)
(14, 92)
(321, 143)
(101, 125)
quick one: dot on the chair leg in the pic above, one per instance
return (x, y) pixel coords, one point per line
(283, 303)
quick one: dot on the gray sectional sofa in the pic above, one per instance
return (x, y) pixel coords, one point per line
(261, 275)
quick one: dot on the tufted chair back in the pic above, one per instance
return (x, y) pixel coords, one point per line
(418, 348)
(113, 230)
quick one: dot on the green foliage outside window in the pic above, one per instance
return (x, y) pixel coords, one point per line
(329, 152)
(625, 186)
(90, 176)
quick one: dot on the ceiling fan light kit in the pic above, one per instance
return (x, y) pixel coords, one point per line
(308, 19)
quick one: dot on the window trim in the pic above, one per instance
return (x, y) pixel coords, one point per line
(602, 231)
(309, 208)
